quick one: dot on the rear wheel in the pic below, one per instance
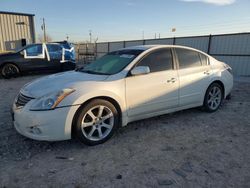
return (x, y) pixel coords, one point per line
(10, 70)
(96, 122)
(213, 97)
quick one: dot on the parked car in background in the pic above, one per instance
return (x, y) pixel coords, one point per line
(121, 87)
(38, 58)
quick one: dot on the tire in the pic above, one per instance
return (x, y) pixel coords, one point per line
(213, 97)
(96, 122)
(229, 96)
(10, 70)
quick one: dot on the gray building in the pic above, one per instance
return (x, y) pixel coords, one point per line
(16, 30)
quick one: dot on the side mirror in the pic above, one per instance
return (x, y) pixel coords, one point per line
(140, 70)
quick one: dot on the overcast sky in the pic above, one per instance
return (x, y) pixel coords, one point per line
(112, 20)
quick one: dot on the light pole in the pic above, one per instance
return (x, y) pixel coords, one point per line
(44, 31)
(90, 36)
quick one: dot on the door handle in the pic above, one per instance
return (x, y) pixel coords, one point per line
(207, 72)
(172, 80)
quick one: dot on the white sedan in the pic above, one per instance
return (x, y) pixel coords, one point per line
(123, 86)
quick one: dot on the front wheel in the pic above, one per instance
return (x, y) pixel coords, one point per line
(9, 70)
(96, 122)
(213, 98)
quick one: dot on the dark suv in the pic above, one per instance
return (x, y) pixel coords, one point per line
(54, 57)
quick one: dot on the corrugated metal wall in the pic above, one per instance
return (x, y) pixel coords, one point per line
(159, 41)
(200, 43)
(13, 28)
(116, 45)
(102, 48)
(231, 44)
(234, 49)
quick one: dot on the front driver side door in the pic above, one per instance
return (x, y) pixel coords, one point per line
(156, 91)
(34, 58)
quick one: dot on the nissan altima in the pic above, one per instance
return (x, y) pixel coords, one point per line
(122, 86)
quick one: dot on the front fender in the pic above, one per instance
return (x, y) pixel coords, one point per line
(101, 93)
(90, 90)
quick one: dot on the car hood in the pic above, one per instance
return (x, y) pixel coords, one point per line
(56, 82)
(7, 54)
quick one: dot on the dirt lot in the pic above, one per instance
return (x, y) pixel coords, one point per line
(185, 149)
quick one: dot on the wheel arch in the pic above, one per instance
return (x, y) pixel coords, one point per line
(221, 84)
(13, 63)
(107, 98)
(218, 82)
(6, 62)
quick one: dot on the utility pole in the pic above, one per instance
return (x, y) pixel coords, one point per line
(90, 36)
(44, 31)
(142, 35)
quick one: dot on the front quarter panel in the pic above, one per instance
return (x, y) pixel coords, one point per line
(89, 90)
(14, 58)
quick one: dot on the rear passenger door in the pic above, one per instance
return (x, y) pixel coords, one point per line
(55, 55)
(194, 76)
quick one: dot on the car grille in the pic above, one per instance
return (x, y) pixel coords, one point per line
(22, 100)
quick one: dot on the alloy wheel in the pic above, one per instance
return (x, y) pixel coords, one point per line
(214, 98)
(9, 70)
(97, 123)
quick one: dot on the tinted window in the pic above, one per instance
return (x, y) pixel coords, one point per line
(66, 45)
(204, 59)
(34, 50)
(112, 63)
(159, 60)
(55, 51)
(53, 47)
(188, 58)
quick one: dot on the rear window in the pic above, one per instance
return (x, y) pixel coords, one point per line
(188, 58)
(54, 47)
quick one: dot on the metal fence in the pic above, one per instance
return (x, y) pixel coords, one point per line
(234, 49)
(85, 52)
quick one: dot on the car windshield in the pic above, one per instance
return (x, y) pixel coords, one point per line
(112, 62)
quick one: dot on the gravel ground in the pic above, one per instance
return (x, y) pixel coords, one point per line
(190, 148)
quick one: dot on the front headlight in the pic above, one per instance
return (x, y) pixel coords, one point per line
(50, 101)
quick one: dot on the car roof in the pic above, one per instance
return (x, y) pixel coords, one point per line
(146, 47)
(43, 43)
(151, 47)
(142, 47)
